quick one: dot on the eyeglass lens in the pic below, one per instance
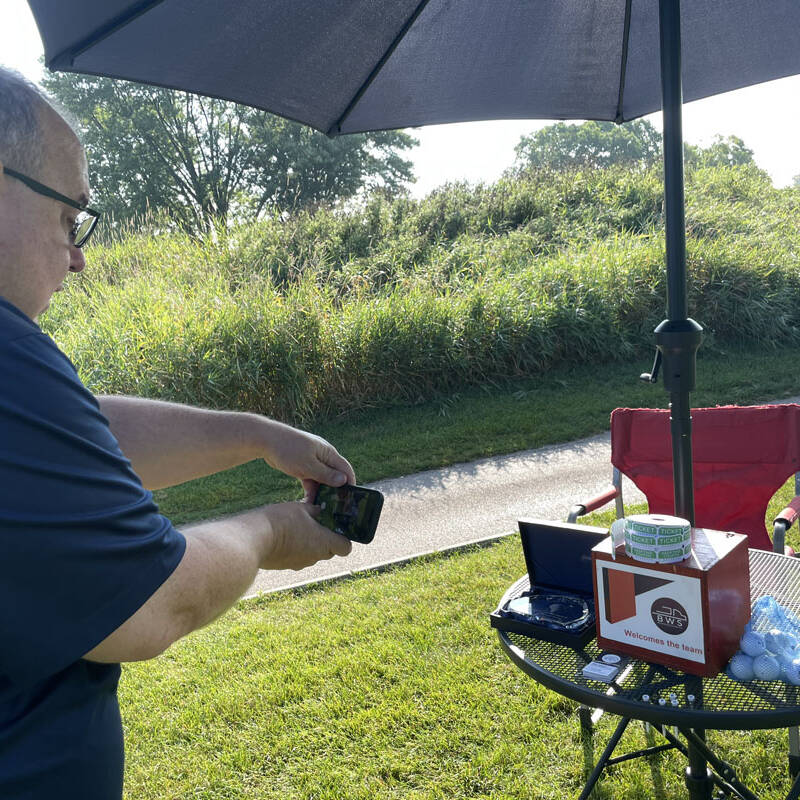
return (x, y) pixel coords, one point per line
(84, 225)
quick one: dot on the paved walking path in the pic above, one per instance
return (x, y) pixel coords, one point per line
(445, 508)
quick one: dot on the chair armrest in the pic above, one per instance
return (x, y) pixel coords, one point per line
(790, 514)
(580, 509)
(782, 523)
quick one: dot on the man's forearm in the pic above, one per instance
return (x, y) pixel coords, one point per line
(221, 559)
(220, 562)
(169, 443)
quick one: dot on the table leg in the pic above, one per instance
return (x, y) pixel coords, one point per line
(696, 742)
(698, 777)
(601, 764)
(794, 792)
(794, 737)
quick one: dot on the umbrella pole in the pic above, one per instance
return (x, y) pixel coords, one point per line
(678, 337)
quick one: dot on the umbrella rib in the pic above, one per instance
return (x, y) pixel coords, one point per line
(337, 126)
(66, 58)
(626, 33)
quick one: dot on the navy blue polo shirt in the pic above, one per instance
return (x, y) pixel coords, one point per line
(82, 547)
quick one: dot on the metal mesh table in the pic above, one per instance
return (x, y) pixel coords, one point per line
(716, 703)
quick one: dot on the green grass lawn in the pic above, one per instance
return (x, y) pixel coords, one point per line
(385, 686)
(393, 685)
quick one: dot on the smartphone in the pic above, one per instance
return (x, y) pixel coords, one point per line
(352, 511)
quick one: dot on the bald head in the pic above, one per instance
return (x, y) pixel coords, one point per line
(25, 114)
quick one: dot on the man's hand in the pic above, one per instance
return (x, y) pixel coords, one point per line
(297, 540)
(307, 457)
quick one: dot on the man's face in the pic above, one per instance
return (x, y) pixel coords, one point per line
(36, 253)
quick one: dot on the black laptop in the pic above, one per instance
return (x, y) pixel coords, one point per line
(560, 603)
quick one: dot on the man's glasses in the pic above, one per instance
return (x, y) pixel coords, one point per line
(87, 219)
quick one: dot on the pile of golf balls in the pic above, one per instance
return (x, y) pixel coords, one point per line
(771, 653)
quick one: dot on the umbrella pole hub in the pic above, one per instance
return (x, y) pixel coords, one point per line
(678, 342)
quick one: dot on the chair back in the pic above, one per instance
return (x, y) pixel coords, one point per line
(741, 456)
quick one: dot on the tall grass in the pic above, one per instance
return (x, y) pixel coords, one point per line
(401, 300)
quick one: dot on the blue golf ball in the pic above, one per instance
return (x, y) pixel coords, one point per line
(766, 667)
(791, 672)
(776, 641)
(752, 644)
(741, 666)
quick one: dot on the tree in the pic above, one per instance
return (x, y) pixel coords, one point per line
(796, 181)
(590, 145)
(204, 161)
(730, 151)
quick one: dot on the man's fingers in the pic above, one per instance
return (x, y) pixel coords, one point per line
(310, 488)
(339, 470)
(339, 545)
(334, 478)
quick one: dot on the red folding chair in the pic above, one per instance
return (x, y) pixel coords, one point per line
(741, 456)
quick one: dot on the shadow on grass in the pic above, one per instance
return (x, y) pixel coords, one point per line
(590, 759)
(659, 790)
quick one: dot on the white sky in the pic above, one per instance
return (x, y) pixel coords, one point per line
(766, 117)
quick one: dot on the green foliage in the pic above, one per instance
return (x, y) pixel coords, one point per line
(402, 300)
(729, 151)
(590, 145)
(598, 145)
(201, 161)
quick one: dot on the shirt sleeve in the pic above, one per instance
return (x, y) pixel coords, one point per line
(82, 545)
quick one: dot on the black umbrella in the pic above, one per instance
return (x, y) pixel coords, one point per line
(345, 66)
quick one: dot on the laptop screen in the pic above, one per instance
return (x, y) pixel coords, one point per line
(558, 555)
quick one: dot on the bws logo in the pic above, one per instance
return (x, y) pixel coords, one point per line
(669, 615)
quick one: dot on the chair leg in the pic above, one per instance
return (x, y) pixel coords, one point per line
(779, 536)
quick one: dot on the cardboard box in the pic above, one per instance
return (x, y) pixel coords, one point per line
(689, 615)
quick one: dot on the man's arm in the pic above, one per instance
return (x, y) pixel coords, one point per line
(219, 564)
(169, 443)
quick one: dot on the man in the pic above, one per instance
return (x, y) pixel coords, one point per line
(92, 575)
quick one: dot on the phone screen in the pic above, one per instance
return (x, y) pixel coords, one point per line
(352, 511)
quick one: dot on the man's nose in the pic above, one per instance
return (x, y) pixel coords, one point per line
(77, 260)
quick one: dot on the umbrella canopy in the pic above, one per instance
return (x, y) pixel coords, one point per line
(345, 66)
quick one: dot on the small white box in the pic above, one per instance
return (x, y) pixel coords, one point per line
(598, 671)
